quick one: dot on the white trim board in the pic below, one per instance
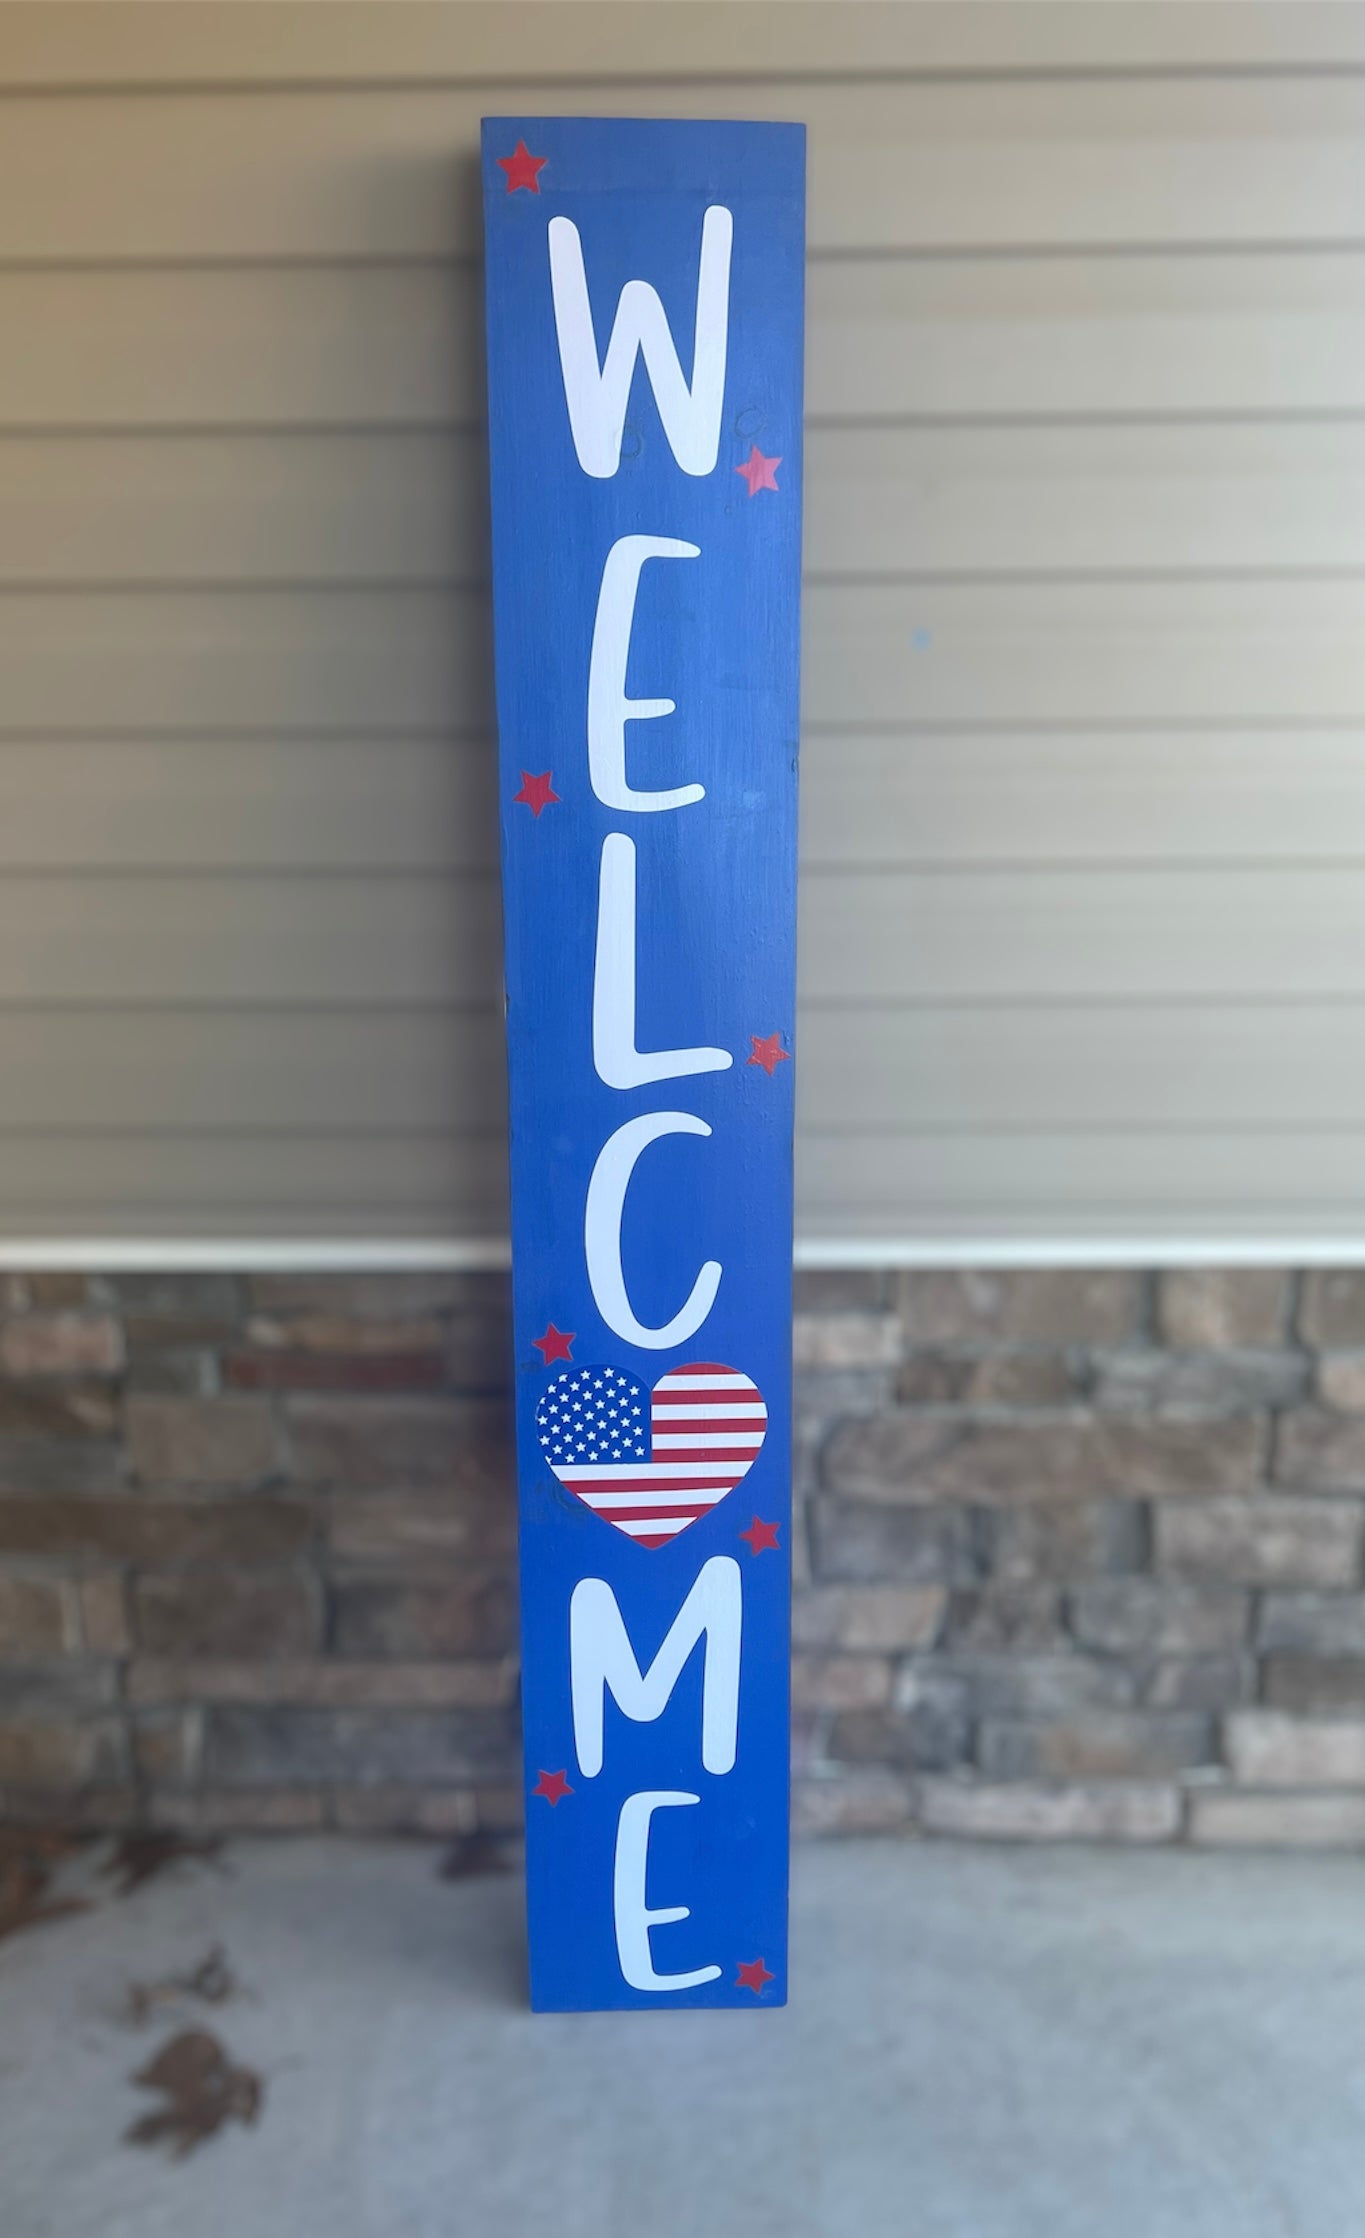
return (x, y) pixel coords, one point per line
(404, 1255)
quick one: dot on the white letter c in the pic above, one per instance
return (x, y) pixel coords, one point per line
(602, 1234)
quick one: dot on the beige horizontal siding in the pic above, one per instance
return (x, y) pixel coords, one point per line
(867, 935)
(410, 505)
(953, 1187)
(1006, 651)
(1062, 1188)
(1053, 1064)
(267, 1187)
(1083, 911)
(280, 802)
(83, 44)
(243, 938)
(999, 163)
(1129, 794)
(1070, 1067)
(332, 345)
(223, 802)
(361, 1069)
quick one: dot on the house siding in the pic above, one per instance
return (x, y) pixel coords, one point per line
(1082, 912)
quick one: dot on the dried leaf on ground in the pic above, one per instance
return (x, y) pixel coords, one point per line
(28, 1856)
(469, 1855)
(140, 1856)
(212, 1981)
(202, 2090)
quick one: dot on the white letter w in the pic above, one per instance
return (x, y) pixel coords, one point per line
(597, 399)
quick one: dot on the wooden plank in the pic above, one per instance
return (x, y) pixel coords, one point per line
(917, 799)
(334, 345)
(719, 863)
(410, 505)
(248, 803)
(895, 164)
(900, 655)
(349, 41)
(880, 936)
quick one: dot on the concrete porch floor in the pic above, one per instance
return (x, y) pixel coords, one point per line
(984, 2043)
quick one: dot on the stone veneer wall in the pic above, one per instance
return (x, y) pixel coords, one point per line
(1078, 1554)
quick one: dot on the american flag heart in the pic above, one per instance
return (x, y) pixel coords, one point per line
(651, 1462)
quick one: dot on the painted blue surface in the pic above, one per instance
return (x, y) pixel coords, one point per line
(715, 964)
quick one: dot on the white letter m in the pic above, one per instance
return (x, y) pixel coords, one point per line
(601, 1656)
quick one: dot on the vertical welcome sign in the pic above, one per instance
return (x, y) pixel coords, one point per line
(644, 378)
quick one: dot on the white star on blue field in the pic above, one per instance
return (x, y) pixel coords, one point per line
(594, 1415)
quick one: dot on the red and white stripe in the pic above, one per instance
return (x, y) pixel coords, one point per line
(707, 1423)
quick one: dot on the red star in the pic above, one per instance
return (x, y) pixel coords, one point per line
(768, 1052)
(556, 1344)
(536, 792)
(754, 1976)
(760, 473)
(553, 1786)
(762, 1537)
(523, 168)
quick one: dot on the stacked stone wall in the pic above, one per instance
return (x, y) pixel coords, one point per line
(1078, 1554)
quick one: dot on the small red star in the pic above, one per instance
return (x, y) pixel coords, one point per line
(556, 1344)
(553, 1786)
(755, 1976)
(760, 473)
(762, 1537)
(768, 1052)
(536, 792)
(523, 168)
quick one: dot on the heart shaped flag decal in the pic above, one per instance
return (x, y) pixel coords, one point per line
(651, 1462)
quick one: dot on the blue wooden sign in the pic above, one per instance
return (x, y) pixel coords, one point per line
(644, 399)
